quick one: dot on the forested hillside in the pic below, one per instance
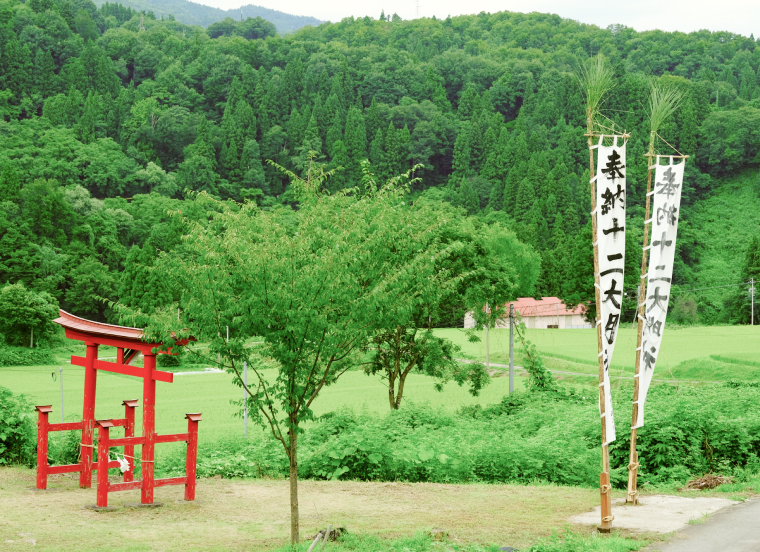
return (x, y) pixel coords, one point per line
(191, 13)
(109, 116)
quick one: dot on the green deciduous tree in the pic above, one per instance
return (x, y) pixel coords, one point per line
(312, 291)
(26, 316)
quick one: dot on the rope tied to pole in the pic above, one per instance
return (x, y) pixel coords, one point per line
(606, 488)
(125, 455)
(633, 466)
(608, 518)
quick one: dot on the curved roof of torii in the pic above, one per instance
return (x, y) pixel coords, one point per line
(85, 327)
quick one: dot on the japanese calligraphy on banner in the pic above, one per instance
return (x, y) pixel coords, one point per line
(610, 224)
(665, 208)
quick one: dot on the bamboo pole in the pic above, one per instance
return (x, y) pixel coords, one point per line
(632, 496)
(604, 478)
(633, 460)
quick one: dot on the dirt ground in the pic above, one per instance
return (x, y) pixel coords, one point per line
(254, 514)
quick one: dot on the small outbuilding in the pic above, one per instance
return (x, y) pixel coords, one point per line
(547, 312)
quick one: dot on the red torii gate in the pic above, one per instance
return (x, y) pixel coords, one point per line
(128, 343)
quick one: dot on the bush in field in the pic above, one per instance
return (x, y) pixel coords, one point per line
(694, 430)
(22, 356)
(17, 434)
(550, 436)
(167, 361)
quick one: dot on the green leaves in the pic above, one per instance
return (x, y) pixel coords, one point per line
(23, 311)
(425, 454)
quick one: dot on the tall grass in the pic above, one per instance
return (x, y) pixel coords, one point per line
(596, 80)
(664, 100)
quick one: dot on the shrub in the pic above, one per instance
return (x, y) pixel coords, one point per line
(550, 436)
(229, 458)
(169, 360)
(17, 432)
(20, 356)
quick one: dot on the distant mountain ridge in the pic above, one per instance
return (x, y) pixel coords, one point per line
(191, 13)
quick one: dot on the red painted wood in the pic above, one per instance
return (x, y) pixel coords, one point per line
(103, 463)
(68, 426)
(127, 441)
(170, 481)
(136, 371)
(42, 445)
(111, 464)
(149, 430)
(111, 341)
(88, 416)
(129, 432)
(171, 438)
(192, 455)
(68, 468)
(126, 486)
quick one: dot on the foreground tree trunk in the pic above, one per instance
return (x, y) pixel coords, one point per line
(294, 536)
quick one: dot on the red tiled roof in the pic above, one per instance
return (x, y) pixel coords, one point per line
(546, 306)
(97, 328)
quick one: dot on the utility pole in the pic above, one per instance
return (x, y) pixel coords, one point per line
(511, 348)
(488, 323)
(245, 398)
(60, 372)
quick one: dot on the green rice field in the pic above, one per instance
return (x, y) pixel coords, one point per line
(708, 353)
(211, 393)
(705, 354)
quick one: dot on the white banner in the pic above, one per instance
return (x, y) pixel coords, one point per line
(666, 202)
(610, 235)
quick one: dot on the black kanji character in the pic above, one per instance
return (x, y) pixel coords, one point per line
(668, 214)
(656, 299)
(609, 198)
(654, 326)
(668, 186)
(649, 358)
(613, 166)
(609, 328)
(663, 243)
(610, 293)
(615, 228)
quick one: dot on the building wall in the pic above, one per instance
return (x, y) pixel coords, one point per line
(564, 321)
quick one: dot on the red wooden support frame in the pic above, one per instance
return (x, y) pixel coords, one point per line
(44, 428)
(129, 431)
(192, 454)
(103, 428)
(104, 462)
(42, 445)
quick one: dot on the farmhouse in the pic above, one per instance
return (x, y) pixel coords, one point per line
(547, 312)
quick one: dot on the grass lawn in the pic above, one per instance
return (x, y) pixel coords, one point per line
(254, 514)
(686, 352)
